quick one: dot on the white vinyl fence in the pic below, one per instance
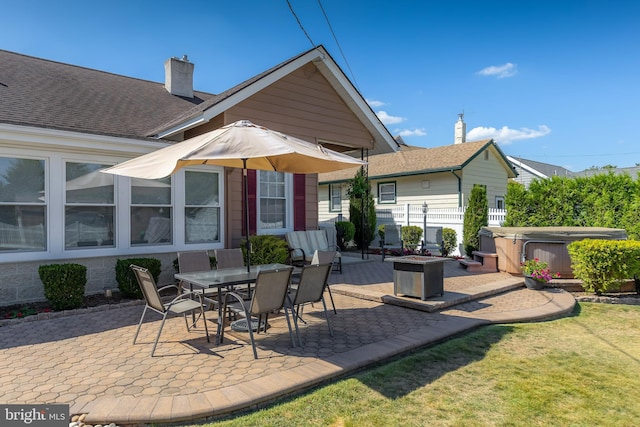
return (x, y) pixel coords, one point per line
(409, 214)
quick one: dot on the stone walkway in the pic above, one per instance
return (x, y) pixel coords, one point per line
(88, 360)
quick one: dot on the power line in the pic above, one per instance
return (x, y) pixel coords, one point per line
(338, 44)
(300, 24)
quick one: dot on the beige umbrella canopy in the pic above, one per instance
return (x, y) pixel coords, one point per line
(239, 145)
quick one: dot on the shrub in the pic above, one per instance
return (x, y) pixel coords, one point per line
(63, 284)
(601, 264)
(411, 235)
(266, 249)
(345, 231)
(126, 279)
(475, 217)
(450, 239)
(362, 210)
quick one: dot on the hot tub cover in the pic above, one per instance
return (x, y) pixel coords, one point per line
(554, 233)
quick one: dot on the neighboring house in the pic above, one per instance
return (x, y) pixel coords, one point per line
(442, 177)
(60, 124)
(528, 170)
(632, 171)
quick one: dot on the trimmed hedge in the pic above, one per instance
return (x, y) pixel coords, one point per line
(64, 284)
(126, 279)
(411, 235)
(266, 249)
(450, 238)
(602, 264)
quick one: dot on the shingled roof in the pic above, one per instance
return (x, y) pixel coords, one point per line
(412, 160)
(42, 93)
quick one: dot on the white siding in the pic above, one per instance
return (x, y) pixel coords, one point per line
(489, 172)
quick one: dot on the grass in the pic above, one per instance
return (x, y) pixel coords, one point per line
(579, 371)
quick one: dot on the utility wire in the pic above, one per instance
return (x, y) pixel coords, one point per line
(300, 24)
(338, 44)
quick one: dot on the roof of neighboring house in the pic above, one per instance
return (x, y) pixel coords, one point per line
(411, 160)
(539, 169)
(633, 171)
(42, 93)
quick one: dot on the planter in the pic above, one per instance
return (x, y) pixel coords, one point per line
(532, 283)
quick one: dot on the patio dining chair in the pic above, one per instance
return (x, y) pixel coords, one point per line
(313, 281)
(183, 304)
(231, 258)
(193, 261)
(326, 257)
(269, 296)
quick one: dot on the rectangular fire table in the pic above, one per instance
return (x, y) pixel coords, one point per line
(418, 276)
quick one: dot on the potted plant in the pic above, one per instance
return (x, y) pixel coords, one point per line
(536, 273)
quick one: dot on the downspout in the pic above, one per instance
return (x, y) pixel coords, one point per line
(459, 188)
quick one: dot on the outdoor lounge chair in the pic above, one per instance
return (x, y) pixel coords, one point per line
(269, 295)
(182, 304)
(392, 239)
(310, 289)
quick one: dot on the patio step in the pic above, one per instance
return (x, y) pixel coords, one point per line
(470, 265)
(482, 262)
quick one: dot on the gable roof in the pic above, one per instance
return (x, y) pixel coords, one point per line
(201, 113)
(48, 94)
(412, 160)
(539, 169)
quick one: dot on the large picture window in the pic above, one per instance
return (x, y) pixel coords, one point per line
(22, 205)
(202, 207)
(151, 219)
(273, 201)
(387, 192)
(89, 206)
(335, 198)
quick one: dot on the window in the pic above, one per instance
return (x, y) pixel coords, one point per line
(387, 192)
(151, 221)
(273, 190)
(89, 206)
(499, 202)
(202, 207)
(335, 198)
(22, 205)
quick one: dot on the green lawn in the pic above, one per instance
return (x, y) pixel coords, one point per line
(582, 370)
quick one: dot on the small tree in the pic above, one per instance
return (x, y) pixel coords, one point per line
(450, 241)
(360, 198)
(476, 216)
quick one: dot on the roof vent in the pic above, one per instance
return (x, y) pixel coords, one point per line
(178, 76)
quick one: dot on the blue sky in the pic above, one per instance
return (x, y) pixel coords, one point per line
(552, 81)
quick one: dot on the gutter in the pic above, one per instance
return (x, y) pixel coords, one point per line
(459, 188)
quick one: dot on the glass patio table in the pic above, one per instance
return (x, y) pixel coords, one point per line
(225, 278)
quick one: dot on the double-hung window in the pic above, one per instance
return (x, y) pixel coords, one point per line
(151, 219)
(387, 192)
(274, 201)
(202, 207)
(89, 206)
(22, 205)
(335, 198)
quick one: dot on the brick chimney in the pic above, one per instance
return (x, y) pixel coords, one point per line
(461, 130)
(178, 76)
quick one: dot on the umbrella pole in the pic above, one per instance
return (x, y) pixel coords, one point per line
(246, 212)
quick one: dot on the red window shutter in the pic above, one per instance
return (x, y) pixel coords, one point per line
(252, 177)
(299, 213)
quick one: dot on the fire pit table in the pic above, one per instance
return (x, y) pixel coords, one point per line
(418, 276)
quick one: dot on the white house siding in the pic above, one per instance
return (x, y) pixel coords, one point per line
(20, 269)
(489, 172)
(524, 176)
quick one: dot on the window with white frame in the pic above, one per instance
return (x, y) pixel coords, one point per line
(151, 219)
(23, 205)
(387, 192)
(89, 206)
(274, 201)
(499, 202)
(202, 207)
(335, 198)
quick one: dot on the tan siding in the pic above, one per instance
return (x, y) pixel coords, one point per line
(311, 201)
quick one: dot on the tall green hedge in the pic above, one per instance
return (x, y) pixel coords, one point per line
(603, 200)
(476, 216)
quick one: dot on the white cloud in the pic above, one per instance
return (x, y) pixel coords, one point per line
(500, 71)
(375, 103)
(410, 132)
(504, 135)
(389, 120)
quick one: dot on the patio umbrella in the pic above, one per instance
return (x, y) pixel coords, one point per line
(239, 145)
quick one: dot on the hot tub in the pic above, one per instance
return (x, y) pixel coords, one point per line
(516, 244)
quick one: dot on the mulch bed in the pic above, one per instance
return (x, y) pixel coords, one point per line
(28, 309)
